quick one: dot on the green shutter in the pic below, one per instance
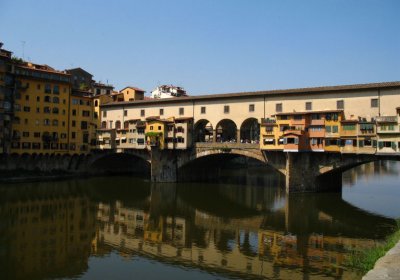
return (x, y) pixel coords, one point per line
(380, 145)
(361, 143)
(374, 143)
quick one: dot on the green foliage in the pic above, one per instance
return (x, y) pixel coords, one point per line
(366, 259)
(153, 134)
(17, 60)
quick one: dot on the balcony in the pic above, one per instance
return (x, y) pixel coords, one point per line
(387, 119)
(317, 122)
(268, 121)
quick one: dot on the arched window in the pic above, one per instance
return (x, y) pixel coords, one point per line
(55, 110)
(126, 124)
(56, 100)
(55, 122)
(103, 124)
(118, 125)
(96, 103)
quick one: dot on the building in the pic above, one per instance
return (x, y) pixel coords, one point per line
(156, 131)
(83, 122)
(100, 89)
(6, 100)
(81, 79)
(388, 131)
(168, 91)
(132, 93)
(41, 107)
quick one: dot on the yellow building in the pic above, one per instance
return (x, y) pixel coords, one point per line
(41, 105)
(132, 93)
(83, 122)
(270, 135)
(156, 131)
(332, 130)
(6, 90)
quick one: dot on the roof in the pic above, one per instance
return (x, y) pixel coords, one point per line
(309, 112)
(78, 69)
(41, 67)
(311, 90)
(152, 118)
(349, 121)
(81, 93)
(183, 119)
(134, 88)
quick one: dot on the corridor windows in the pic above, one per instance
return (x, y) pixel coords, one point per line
(251, 107)
(340, 104)
(202, 110)
(226, 109)
(142, 113)
(308, 106)
(161, 112)
(278, 107)
(181, 111)
(374, 103)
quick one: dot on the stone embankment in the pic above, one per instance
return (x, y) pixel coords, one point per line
(387, 267)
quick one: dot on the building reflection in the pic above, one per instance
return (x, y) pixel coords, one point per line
(258, 245)
(45, 231)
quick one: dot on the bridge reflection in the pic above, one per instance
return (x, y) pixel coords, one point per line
(51, 230)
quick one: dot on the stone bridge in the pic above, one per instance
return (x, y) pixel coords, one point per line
(304, 172)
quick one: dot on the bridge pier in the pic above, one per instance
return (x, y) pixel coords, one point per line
(304, 173)
(163, 165)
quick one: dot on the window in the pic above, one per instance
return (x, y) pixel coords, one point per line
(46, 110)
(151, 127)
(104, 114)
(47, 98)
(84, 125)
(38, 86)
(27, 109)
(56, 89)
(226, 109)
(161, 112)
(251, 108)
(25, 134)
(374, 103)
(47, 88)
(74, 112)
(340, 104)
(328, 129)
(75, 101)
(26, 97)
(73, 135)
(56, 100)
(37, 98)
(55, 110)
(142, 113)
(36, 134)
(126, 124)
(335, 129)
(308, 106)
(278, 107)
(96, 103)
(349, 127)
(181, 111)
(118, 125)
(159, 127)
(73, 123)
(103, 124)
(55, 122)
(85, 113)
(46, 122)
(298, 117)
(202, 110)
(125, 113)
(95, 115)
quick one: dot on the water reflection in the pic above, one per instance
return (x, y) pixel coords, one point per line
(53, 230)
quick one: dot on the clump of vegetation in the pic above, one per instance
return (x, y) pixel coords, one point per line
(366, 259)
(17, 60)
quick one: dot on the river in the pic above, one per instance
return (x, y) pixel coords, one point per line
(243, 227)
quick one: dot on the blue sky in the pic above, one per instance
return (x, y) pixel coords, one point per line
(210, 46)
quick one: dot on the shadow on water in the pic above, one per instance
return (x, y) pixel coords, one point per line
(249, 231)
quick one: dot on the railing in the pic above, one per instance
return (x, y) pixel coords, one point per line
(386, 119)
(226, 145)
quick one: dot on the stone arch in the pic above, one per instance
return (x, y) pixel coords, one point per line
(250, 131)
(203, 131)
(226, 131)
(118, 163)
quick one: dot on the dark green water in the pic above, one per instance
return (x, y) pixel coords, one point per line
(247, 228)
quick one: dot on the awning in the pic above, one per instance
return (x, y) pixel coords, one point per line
(117, 139)
(123, 138)
(269, 140)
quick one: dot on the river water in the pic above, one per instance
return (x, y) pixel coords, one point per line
(244, 227)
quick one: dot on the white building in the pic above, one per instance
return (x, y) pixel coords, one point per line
(168, 91)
